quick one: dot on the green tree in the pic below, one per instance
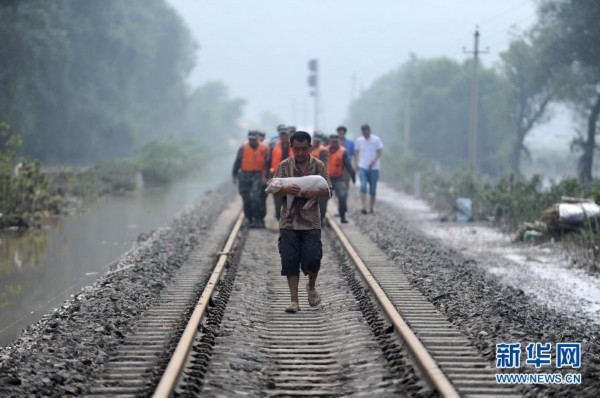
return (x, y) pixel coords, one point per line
(211, 113)
(569, 35)
(23, 186)
(439, 111)
(530, 91)
(82, 81)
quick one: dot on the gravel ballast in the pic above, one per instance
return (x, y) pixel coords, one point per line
(244, 349)
(485, 310)
(67, 348)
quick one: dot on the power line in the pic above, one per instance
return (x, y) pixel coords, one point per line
(494, 46)
(492, 18)
(499, 32)
(505, 12)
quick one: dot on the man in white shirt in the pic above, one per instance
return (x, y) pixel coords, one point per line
(367, 153)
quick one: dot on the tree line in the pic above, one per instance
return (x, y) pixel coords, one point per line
(82, 81)
(556, 61)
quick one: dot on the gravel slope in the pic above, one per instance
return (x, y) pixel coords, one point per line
(484, 309)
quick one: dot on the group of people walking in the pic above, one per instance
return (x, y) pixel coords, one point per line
(295, 154)
(257, 161)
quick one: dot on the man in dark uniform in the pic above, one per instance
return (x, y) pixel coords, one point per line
(249, 173)
(338, 166)
(280, 151)
(300, 244)
(349, 145)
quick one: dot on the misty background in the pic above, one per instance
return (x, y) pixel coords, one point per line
(261, 49)
(84, 82)
(146, 101)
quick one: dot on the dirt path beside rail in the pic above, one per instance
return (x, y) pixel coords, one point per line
(480, 303)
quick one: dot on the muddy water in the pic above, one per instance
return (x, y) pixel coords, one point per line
(40, 269)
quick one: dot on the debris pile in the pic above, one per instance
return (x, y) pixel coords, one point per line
(571, 215)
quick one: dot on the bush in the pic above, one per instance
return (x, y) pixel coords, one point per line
(509, 201)
(161, 162)
(24, 193)
(116, 176)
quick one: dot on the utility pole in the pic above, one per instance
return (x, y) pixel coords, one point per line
(474, 102)
(313, 81)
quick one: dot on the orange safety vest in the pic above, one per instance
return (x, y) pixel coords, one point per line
(316, 152)
(253, 159)
(277, 154)
(335, 164)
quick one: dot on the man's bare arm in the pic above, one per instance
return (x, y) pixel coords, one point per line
(377, 156)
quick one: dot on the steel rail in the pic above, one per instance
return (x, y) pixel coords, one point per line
(173, 371)
(420, 354)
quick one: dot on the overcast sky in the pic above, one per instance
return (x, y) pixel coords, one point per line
(260, 48)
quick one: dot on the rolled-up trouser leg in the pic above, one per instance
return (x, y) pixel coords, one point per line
(244, 187)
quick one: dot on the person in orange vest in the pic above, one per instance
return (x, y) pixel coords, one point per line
(349, 145)
(338, 164)
(319, 151)
(281, 150)
(249, 174)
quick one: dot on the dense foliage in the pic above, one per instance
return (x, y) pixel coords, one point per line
(508, 201)
(556, 61)
(569, 33)
(83, 81)
(161, 162)
(439, 112)
(24, 194)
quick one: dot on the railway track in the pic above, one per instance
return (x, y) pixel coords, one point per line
(239, 340)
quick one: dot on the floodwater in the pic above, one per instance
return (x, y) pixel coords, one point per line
(540, 271)
(39, 269)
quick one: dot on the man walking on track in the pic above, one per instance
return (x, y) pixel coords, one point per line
(367, 153)
(249, 174)
(337, 167)
(301, 248)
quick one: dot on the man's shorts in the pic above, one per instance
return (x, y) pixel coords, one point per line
(300, 250)
(370, 177)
